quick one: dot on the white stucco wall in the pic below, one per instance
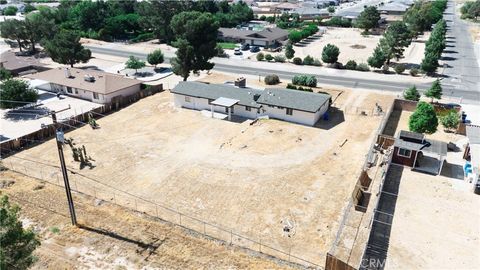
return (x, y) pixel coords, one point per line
(88, 95)
(300, 117)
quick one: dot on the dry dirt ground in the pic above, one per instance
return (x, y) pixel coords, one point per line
(435, 224)
(354, 46)
(253, 179)
(113, 237)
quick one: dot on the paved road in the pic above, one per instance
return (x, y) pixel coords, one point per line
(337, 80)
(462, 71)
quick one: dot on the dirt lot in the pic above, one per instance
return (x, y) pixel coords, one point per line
(253, 179)
(354, 46)
(436, 224)
(114, 237)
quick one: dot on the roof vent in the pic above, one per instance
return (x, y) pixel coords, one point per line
(89, 78)
(67, 73)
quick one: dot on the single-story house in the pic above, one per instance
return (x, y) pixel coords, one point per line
(265, 38)
(349, 15)
(286, 7)
(96, 86)
(285, 104)
(393, 8)
(310, 13)
(20, 65)
(414, 150)
(472, 156)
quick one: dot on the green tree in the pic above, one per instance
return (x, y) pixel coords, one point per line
(65, 48)
(17, 243)
(14, 30)
(377, 59)
(155, 57)
(37, 28)
(268, 57)
(295, 36)
(10, 11)
(199, 30)
(16, 90)
(289, 51)
(182, 64)
(308, 60)
(399, 68)
(330, 54)
(29, 8)
(411, 94)
(435, 91)
(429, 64)
(451, 120)
(134, 63)
(5, 74)
(331, 9)
(89, 15)
(424, 119)
(157, 16)
(368, 18)
(395, 40)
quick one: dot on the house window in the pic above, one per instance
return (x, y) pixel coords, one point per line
(69, 89)
(248, 109)
(76, 91)
(404, 152)
(289, 111)
(188, 99)
(95, 95)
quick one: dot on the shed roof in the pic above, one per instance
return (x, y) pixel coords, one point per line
(428, 146)
(105, 83)
(413, 136)
(294, 99)
(224, 102)
(245, 96)
(473, 134)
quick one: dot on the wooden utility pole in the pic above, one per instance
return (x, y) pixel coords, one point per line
(59, 138)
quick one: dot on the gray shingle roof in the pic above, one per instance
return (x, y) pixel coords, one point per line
(294, 99)
(214, 91)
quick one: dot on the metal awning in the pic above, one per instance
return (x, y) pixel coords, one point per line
(224, 102)
(37, 82)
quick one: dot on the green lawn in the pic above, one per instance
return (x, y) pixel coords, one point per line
(227, 45)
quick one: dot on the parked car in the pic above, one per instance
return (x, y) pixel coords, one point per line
(237, 51)
(245, 47)
(254, 49)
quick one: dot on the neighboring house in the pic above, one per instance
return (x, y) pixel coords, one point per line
(20, 65)
(349, 15)
(310, 13)
(414, 150)
(285, 7)
(393, 8)
(285, 104)
(96, 86)
(268, 37)
(472, 155)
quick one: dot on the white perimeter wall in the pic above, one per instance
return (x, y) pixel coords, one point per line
(88, 95)
(301, 117)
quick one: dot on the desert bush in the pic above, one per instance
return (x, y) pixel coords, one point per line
(414, 72)
(297, 61)
(268, 57)
(399, 69)
(271, 79)
(260, 56)
(352, 65)
(363, 67)
(279, 58)
(308, 60)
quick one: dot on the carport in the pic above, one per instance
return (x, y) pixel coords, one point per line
(227, 103)
(431, 157)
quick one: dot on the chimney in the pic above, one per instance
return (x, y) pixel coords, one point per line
(241, 82)
(67, 73)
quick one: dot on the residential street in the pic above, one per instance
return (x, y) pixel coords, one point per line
(462, 71)
(343, 79)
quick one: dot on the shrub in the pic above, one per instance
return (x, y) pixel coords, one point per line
(271, 79)
(280, 58)
(352, 65)
(306, 89)
(291, 86)
(308, 60)
(10, 11)
(450, 120)
(363, 67)
(268, 57)
(411, 94)
(297, 61)
(399, 69)
(144, 37)
(260, 56)
(330, 53)
(305, 80)
(317, 62)
(414, 72)
(337, 65)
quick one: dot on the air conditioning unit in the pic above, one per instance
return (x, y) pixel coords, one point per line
(89, 78)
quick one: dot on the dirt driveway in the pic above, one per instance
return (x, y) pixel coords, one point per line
(252, 179)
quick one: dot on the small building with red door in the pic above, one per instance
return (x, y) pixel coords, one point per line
(414, 150)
